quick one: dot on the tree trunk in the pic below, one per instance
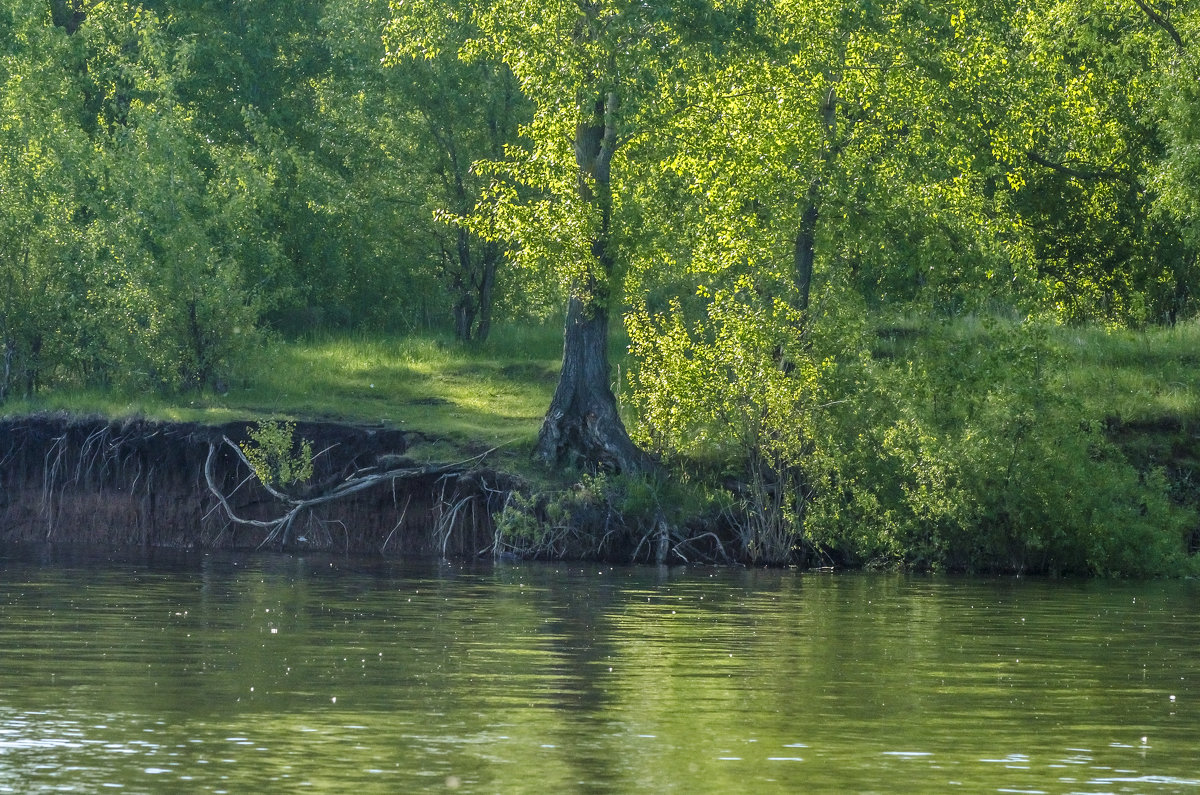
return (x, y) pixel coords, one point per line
(200, 373)
(463, 318)
(32, 366)
(464, 310)
(806, 248)
(487, 288)
(10, 348)
(474, 284)
(582, 426)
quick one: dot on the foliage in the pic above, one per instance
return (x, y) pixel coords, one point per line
(277, 458)
(1095, 154)
(44, 166)
(972, 457)
(409, 132)
(742, 384)
(962, 454)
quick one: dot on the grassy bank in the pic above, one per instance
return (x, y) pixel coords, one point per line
(1138, 376)
(1147, 383)
(467, 397)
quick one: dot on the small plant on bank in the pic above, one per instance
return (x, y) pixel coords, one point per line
(277, 458)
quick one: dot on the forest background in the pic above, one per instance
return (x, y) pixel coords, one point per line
(852, 245)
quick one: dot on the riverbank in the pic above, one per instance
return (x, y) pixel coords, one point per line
(420, 445)
(137, 482)
(94, 482)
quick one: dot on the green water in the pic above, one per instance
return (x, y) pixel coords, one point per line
(277, 674)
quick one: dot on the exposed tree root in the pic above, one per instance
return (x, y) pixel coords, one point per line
(448, 511)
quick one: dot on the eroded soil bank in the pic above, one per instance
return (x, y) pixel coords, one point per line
(72, 480)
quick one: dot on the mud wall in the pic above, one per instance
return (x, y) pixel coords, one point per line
(92, 481)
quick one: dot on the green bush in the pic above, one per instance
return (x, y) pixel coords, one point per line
(955, 449)
(971, 458)
(277, 458)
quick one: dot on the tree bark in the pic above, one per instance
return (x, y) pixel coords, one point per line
(473, 282)
(582, 426)
(33, 365)
(461, 282)
(10, 348)
(804, 251)
(1089, 173)
(489, 263)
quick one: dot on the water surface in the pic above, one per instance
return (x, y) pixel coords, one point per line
(228, 673)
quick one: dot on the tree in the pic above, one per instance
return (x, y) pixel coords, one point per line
(470, 114)
(44, 167)
(888, 156)
(175, 217)
(1175, 177)
(413, 128)
(840, 165)
(598, 73)
(1095, 160)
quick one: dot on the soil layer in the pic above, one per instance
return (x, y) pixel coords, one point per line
(95, 481)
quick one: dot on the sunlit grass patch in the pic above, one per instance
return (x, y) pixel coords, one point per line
(1145, 376)
(430, 384)
(495, 394)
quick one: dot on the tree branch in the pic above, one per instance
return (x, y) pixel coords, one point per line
(1162, 22)
(1084, 173)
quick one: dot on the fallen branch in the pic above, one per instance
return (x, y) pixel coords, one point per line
(687, 542)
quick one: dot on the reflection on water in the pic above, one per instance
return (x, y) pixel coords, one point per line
(226, 673)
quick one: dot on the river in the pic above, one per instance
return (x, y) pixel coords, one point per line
(272, 673)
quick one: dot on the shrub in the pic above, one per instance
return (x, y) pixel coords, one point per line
(278, 460)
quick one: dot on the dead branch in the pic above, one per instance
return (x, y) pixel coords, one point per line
(687, 544)
(645, 538)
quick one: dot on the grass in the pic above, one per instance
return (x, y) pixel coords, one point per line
(1144, 383)
(1136, 377)
(423, 383)
(463, 398)
(1147, 384)
(1143, 377)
